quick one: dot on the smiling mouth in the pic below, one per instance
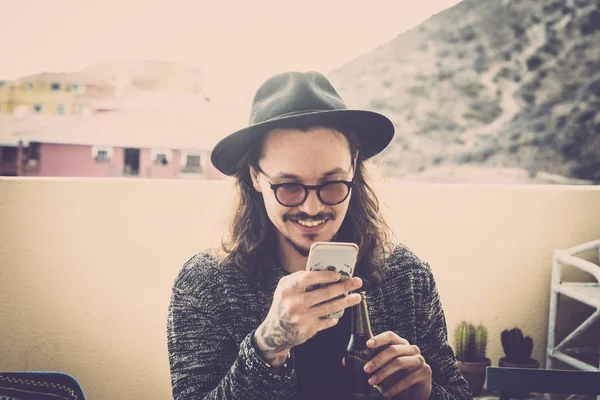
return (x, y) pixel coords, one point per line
(310, 223)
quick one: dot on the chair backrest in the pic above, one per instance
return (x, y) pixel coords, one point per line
(527, 380)
(39, 386)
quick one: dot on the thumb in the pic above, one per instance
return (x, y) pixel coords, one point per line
(344, 361)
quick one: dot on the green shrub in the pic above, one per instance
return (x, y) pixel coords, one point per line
(485, 112)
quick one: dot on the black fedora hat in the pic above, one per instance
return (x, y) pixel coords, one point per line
(295, 98)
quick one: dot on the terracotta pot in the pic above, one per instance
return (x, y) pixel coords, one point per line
(474, 373)
(531, 363)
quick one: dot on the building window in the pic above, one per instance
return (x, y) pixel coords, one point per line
(60, 109)
(191, 162)
(161, 159)
(37, 108)
(102, 154)
(55, 86)
(29, 86)
(77, 88)
(161, 156)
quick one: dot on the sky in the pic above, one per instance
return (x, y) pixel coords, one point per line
(238, 44)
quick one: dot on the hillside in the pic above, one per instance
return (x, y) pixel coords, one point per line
(490, 83)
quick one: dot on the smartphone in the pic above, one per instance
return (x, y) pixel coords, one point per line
(332, 256)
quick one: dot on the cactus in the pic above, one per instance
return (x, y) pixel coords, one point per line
(462, 336)
(517, 348)
(480, 343)
(470, 343)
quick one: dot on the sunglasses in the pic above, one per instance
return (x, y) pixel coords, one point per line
(292, 194)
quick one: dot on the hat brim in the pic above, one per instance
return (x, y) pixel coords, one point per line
(374, 130)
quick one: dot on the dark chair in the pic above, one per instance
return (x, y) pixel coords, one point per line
(39, 386)
(513, 381)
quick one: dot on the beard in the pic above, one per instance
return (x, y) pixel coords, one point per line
(304, 251)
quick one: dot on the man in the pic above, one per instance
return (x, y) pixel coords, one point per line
(242, 324)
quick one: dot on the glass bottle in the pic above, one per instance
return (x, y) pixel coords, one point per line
(358, 354)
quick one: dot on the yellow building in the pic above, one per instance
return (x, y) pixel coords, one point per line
(106, 85)
(45, 93)
(6, 95)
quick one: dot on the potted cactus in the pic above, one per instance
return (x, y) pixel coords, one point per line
(470, 347)
(518, 349)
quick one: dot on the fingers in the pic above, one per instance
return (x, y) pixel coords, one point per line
(307, 309)
(332, 291)
(397, 367)
(385, 338)
(304, 279)
(332, 306)
(398, 353)
(324, 323)
(421, 376)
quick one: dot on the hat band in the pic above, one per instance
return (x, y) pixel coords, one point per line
(291, 114)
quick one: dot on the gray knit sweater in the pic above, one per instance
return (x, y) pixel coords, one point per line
(214, 310)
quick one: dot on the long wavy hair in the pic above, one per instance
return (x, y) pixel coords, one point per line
(251, 241)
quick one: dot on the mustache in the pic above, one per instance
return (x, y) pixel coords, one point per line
(304, 216)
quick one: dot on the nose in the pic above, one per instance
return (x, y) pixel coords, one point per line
(312, 205)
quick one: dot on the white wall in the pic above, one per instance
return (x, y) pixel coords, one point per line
(86, 265)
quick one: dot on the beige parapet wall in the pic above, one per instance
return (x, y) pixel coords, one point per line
(86, 265)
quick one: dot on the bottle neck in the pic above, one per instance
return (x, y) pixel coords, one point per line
(359, 316)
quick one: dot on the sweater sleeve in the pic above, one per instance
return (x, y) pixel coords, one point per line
(448, 382)
(206, 363)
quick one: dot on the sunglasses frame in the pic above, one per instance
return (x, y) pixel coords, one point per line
(308, 188)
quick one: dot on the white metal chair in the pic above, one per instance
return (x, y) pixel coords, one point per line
(587, 293)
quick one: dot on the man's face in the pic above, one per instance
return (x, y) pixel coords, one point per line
(310, 158)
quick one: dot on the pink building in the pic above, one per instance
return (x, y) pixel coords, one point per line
(113, 144)
(147, 119)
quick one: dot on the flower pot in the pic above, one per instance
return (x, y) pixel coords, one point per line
(531, 363)
(474, 373)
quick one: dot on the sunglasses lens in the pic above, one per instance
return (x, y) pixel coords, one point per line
(334, 193)
(290, 194)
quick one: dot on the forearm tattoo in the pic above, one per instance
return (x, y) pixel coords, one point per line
(278, 335)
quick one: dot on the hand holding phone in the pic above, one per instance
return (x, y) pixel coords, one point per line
(295, 305)
(333, 256)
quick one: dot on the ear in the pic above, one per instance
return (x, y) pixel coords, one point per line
(355, 160)
(254, 177)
